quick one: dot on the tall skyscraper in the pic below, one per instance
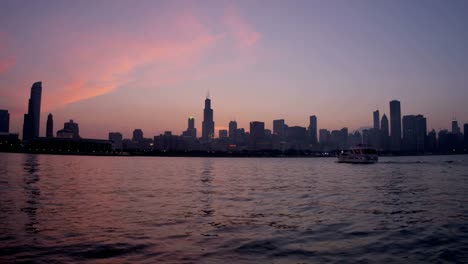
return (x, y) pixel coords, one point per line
(414, 133)
(4, 121)
(257, 135)
(32, 118)
(50, 126)
(313, 130)
(455, 127)
(395, 125)
(232, 131)
(208, 123)
(376, 119)
(465, 135)
(384, 132)
(279, 128)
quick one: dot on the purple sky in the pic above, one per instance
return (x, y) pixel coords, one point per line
(119, 65)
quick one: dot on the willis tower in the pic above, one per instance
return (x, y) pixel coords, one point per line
(207, 124)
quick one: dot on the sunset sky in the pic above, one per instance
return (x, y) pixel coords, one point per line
(120, 65)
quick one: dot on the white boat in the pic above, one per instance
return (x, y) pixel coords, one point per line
(359, 154)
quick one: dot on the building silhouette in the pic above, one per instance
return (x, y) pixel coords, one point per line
(384, 133)
(414, 133)
(137, 135)
(32, 118)
(4, 121)
(313, 130)
(50, 126)
(191, 130)
(455, 127)
(279, 128)
(232, 132)
(70, 130)
(465, 136)
(208, 123)
(223, 133)
(376, 116)
(257, 135)
(116, 139)
(395, 125)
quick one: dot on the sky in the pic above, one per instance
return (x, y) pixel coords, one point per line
(119, 65)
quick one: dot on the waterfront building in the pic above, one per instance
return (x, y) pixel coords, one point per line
(313, 130)
(376, 116)
(208, 123)
(414, 133)
(50, 126)
(384, 133)
(32, 118)
(257, 135)
(232, 132)
(116, 139)
(4, 121)
(395, 125)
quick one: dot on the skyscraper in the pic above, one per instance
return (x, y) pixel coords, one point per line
(32, 118)
(395, 125)
(313, 130)
(279, 128)
(137, 135)
(455, 127)
(414, 133)
(4, 121)
(384, 132)
(208, 123)
(465, 134)
(376, 119)
(191, 130)
(232, 131)
(50, 126)
(257, 135)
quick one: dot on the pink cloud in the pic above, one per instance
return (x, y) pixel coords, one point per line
(243, 33)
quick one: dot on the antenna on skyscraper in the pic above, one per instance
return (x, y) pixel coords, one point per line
(208, 94)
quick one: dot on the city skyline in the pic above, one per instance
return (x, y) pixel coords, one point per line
(258, 63)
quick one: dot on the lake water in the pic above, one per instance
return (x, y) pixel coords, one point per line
(62, 209)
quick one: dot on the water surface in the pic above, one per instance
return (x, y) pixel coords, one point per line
(62, 209)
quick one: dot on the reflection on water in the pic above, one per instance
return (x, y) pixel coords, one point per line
(31, 192)
(210, 210)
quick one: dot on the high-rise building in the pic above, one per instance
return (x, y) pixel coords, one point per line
(50, 126)
(376, 119)
(116, 139)
(4, 121)
(455, 127)
(232, 131)
(465, 136)
(414, 133)
(279, 128)
(313, 130)
(324, 137)
(385, 134)
(191, 130)
(32, 118)
(208, 123)
(395, 125)
(257, 135)
(137, 135)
